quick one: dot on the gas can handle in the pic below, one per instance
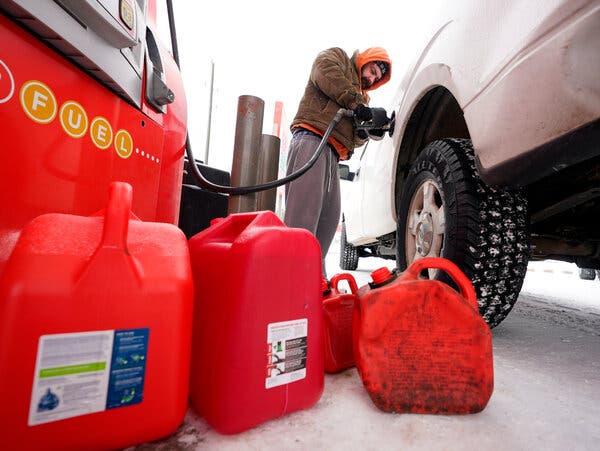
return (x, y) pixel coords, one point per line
(116, 219)
(463, 282)
(348, 278)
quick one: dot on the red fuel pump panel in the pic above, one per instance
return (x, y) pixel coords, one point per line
(66, 137)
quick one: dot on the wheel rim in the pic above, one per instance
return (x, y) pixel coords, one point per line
(426, 224)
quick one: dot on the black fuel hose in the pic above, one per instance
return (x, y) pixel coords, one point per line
(239, 190)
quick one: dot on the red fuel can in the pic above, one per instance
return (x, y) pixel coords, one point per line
(257, 350)
(95, 333)
(338, 308)
(421, 346)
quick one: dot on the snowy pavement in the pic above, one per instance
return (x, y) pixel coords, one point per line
(546, 391)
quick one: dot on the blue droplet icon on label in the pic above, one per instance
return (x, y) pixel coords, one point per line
(48, 402)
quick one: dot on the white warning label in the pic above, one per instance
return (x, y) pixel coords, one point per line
(286, 352)
(87, 372)
(71, 376)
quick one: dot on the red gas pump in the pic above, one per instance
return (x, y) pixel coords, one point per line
(84, 102)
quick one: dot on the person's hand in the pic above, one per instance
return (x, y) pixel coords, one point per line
(363, 113)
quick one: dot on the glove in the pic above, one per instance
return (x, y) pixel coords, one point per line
(362, 134)
(363, 113)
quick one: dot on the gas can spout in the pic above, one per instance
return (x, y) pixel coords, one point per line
(116, 222)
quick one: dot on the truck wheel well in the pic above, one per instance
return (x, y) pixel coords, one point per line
(436, 116)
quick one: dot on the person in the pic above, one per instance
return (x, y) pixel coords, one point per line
(313, 201)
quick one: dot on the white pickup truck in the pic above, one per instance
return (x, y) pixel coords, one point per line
(495, 158)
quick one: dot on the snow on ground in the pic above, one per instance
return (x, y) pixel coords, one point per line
(559, 283)
(546, 387)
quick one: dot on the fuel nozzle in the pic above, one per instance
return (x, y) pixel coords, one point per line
(377, 125)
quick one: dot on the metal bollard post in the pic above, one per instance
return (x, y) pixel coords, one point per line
(246, 151)
(268, 168)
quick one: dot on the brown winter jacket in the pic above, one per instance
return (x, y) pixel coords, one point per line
(334, 83)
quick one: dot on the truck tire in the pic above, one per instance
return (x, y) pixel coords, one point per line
(587, 273)
(446, 210)
(348, 253)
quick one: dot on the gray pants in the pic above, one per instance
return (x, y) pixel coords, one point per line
(312, 201)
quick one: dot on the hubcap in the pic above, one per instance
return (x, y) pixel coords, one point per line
(426, 223)
(424, 238)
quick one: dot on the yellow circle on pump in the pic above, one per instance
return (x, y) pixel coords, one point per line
(73, 119)
(101, 132)
(38, 101)
(123, 143)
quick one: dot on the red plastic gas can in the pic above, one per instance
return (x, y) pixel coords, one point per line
(95, 334)
(338, 308)
(257, 350)
(421, 346)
